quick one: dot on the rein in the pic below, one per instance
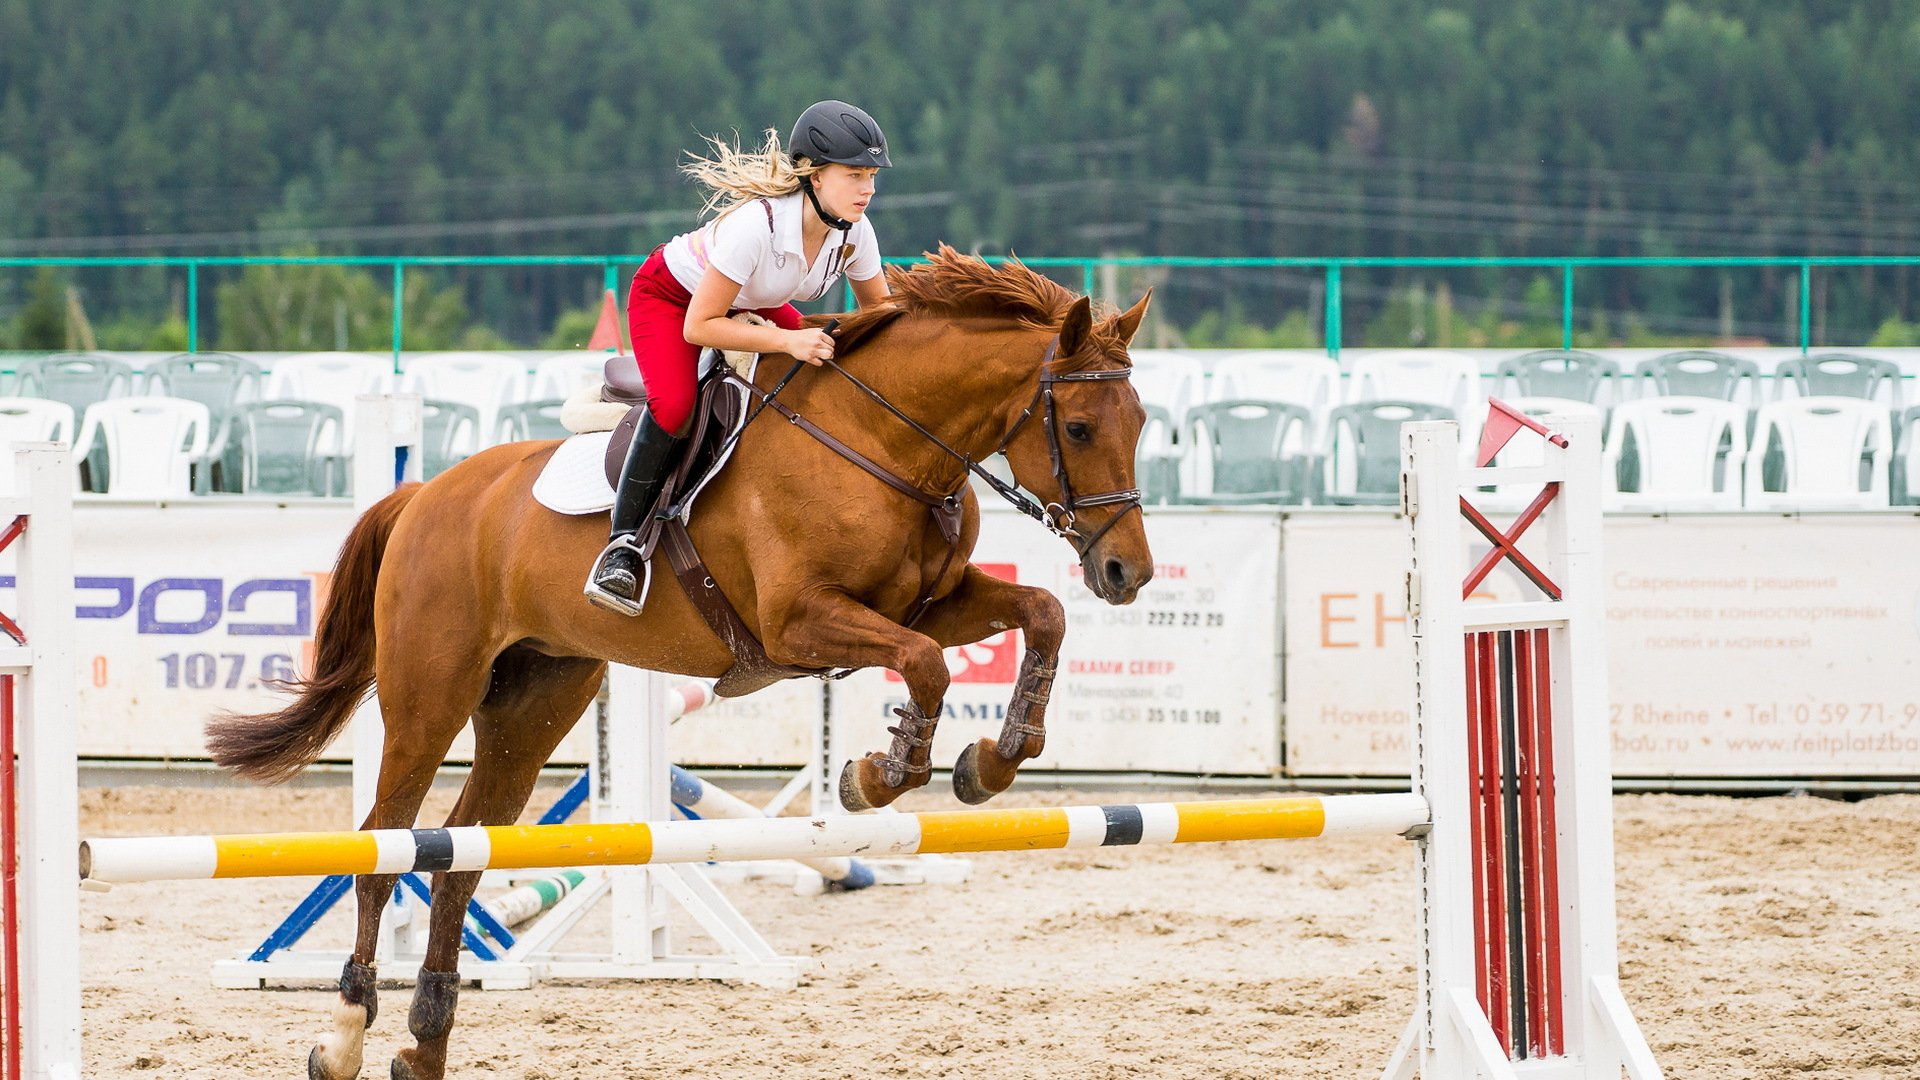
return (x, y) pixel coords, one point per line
(1058, 517)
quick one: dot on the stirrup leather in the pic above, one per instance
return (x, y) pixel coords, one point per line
(619, 605)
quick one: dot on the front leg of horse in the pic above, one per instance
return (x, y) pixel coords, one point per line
(982, 606)
(835, 630)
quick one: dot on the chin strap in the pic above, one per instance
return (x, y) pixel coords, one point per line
(832, 222)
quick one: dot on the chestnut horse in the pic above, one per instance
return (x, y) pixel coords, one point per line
(479, 612)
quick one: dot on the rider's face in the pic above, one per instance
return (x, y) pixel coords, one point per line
(845, 190)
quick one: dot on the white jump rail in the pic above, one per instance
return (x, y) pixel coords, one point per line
(519, 847)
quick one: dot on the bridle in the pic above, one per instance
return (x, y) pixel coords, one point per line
(1058, 517)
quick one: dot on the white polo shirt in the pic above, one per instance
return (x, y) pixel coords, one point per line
(768, 259)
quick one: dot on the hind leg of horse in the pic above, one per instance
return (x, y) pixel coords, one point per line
(982, 606)
(535, 701)
(338, 1055)
(834, 630)
(424, 710)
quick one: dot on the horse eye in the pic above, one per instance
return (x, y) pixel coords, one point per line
(1078, 431)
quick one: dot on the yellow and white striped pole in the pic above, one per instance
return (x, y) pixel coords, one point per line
(509, 847)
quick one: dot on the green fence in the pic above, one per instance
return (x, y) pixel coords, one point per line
(1087, 267)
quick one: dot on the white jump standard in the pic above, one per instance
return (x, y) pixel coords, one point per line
(39, 910)
(1517, 935)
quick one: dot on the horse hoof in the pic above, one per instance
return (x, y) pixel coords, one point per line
(966, 778)
(863, 785)
(852, 799)
(317, 1067)
(401, 1071)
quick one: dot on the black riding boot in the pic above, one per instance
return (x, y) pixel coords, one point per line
(649, 457)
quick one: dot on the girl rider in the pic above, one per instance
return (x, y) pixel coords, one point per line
(791, 221)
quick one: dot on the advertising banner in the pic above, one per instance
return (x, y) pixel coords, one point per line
(185, 612)
(1764, 645)
(1737, 645)
(1182, 680)
(770, 728)
(1348, 680)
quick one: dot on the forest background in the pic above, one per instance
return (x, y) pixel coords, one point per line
(1081, 128)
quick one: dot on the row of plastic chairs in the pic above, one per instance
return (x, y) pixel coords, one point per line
(1245, 452)
(285, 430)
(1176, 382)
(166, 447)
(1804, 453)
(489, 383)
(1670, 453)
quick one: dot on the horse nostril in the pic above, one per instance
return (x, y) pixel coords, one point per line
(1116, 574)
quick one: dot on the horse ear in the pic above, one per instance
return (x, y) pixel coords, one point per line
(1078, 324)
(1128, 324)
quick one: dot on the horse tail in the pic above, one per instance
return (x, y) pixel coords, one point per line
(271, 747)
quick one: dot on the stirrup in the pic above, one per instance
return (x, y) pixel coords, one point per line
(605, 600)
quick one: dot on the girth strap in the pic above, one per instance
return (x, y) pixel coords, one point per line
(751, 664)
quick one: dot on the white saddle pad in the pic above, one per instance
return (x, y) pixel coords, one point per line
(575, 479)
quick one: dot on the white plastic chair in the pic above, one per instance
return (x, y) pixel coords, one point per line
(1436, 376)
(1169, 384)
(1450, 380)
(1700, 373)
(1834, 453)
(332, 379)
(1907, 457)
(563, 376)
(1175, 381)
(31, 420)
(1309, 380)
(1690, 452)
(1838, 374)
(151, 444)
(487, 381)
(34, 420)
(1359, 463)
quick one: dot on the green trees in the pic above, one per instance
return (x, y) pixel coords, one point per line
(320, 308)
(1076, 127)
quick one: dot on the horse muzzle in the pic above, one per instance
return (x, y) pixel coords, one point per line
(1114, 579)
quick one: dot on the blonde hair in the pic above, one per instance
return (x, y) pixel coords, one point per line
(734, 177)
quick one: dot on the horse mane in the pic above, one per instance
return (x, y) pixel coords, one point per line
(952, 285)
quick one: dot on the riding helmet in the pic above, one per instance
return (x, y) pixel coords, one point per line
(841, 133)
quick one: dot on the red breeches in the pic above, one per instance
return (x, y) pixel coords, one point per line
(656, 317)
